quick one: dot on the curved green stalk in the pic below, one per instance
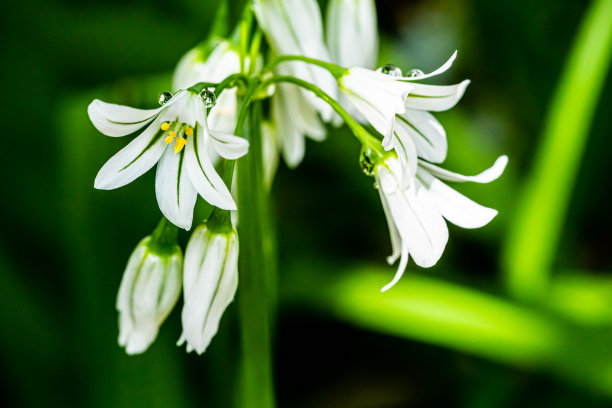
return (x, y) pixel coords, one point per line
(336, 70)
(359, 131)
(535, 231)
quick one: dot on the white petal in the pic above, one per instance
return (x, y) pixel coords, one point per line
(210, 292)
(229, 146)
(456, 207)
(400, 270)
(133, 160)
(295, 119)
(435, 97)
(203, 174)
(396, 239)
(406, 151)
(197, 247)
(438, 71)
(269, 151)
(175, 193)
(420, 224)
(119, 120)
(226, 290)
(426, 132)
(352, 33)
(223, 115)
(295, 27)
(486, 176)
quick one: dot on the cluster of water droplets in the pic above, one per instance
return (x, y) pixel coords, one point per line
(394, 71)
(208, 97)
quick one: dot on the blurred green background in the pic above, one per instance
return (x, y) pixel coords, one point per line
(518, 313)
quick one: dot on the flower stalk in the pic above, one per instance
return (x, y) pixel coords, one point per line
(257, 267)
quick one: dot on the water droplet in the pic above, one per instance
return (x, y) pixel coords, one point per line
(415, 73)
(391, 70)
(366, 163)
(208, 97)
(164, 97)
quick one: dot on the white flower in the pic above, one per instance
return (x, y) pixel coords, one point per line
(149, 290)
(352, 33)
(416, 132)
(210, 282)
(294, 119)
(176, 136)
(294, 27)
(212, 63)
(416, 210)
(269, 144)
(377, 96)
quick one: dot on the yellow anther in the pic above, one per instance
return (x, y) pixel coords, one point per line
(172, 134)
(189, 131)
(169, 139)
(180, 143)
(165, 126)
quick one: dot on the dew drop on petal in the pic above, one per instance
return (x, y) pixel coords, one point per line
(208, 97)
(415, 73)
(391, 70)
(164, 97)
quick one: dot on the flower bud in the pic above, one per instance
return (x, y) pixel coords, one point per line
(149, 290)
(211, 279)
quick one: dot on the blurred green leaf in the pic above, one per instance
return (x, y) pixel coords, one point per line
(535, 232)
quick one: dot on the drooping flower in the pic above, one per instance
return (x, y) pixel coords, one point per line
(416, 132)
(212, 62)
(352, 39)
(377, 96)
(294, 119)
(352, 33)
(177, 136)
(210, 282)
(415, 211)
(150, 288)
(294, 27)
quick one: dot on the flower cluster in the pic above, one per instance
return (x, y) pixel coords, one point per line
(311, 81)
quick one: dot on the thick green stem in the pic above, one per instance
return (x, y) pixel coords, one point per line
(256, 266)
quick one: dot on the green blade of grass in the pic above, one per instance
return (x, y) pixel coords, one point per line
(534, 234)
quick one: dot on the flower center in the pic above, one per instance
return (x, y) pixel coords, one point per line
(179, 129)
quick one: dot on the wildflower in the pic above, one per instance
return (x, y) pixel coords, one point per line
(212, 62)
(177, 136)
(149, 290)
(294, 27)
(210, 282)
(294, 119)
(416, 132)
(376, 95)
(415, 211)
(352, 33)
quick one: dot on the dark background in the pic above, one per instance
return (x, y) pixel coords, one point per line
(63, 245)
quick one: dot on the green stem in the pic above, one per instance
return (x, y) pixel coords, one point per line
(164, 237)
(219, 87)
(536, 228)
(254, 298)
(336, 70)
(359, 131)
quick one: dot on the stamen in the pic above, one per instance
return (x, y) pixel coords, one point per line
(189, 131)
(172, 134)
(169, 139)
(165, 126)
(180, 143)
